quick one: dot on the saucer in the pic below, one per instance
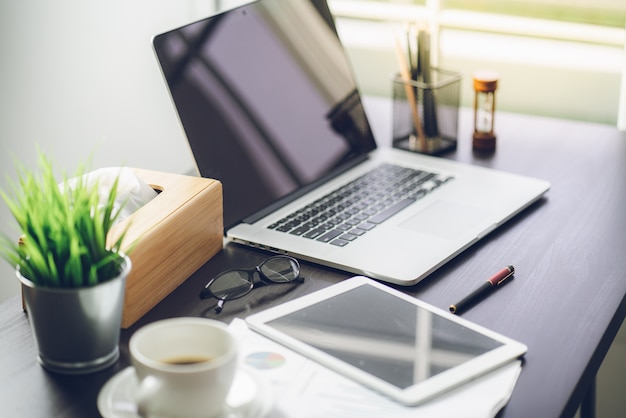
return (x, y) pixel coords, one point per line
(249, 396)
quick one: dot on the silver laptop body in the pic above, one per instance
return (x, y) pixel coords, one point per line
(269, 105)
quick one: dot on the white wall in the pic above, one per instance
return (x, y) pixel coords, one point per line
(79, 78)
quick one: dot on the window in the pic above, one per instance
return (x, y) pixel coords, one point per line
(541, 48)
(596, 12)
(610, 13)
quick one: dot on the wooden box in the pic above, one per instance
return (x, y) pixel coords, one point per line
(173, 235)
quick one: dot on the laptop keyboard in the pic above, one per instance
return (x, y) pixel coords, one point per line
(349, 212)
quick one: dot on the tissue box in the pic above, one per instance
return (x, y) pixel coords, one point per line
(172, 236)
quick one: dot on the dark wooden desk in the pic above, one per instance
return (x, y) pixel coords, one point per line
(566, 302)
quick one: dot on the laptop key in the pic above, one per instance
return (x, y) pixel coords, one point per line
(340, 242)
(348, 237)
(284, 228)
(390, 211)
(357, 231)
(300, 230)
(366, 225)
(330, 235)
(418, 194)
(314, 233)
(344, 227)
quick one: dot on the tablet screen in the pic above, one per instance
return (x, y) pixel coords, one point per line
(389, 337)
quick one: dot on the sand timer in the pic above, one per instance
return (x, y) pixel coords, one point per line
(485, 85)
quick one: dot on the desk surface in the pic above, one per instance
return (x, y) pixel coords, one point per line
(566, 303)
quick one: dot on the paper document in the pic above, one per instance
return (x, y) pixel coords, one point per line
(305, 389)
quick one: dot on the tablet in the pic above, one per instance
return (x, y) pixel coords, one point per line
(382, 338)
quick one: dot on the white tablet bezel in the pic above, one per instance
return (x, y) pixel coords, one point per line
(413, 395)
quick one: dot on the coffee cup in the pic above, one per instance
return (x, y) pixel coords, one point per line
(185, 367)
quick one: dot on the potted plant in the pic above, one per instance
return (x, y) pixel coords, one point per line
(72, 282)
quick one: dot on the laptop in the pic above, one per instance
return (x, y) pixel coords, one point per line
(270, 107)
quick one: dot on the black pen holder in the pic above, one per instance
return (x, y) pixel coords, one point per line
(426, 115)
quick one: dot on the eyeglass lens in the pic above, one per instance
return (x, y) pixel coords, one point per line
(231, 285)
(280, 269)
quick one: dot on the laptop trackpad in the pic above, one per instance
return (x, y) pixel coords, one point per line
(448, 220)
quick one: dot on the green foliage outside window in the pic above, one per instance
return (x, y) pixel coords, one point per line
(610, 13)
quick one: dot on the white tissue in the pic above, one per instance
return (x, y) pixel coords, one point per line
(132, 192)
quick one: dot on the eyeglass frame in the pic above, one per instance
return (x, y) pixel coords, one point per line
(206, 293)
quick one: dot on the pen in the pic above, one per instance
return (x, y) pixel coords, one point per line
(494, 282)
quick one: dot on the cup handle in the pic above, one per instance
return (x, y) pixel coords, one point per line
(148, 389)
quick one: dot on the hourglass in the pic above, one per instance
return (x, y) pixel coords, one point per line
(485, 85)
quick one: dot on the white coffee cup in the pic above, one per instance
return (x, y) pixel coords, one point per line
(185, 367)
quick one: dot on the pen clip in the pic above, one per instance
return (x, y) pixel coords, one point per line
(509, 274)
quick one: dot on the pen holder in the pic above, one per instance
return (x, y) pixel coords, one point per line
(425, 115)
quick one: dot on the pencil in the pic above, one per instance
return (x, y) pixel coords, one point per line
(410, 94)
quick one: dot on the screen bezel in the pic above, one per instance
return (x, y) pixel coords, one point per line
(420, 392)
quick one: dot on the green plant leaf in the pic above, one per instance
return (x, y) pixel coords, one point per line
(64, 229)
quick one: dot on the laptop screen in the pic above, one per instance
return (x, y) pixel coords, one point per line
(267, 100)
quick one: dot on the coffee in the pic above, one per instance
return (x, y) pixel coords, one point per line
(187, 360)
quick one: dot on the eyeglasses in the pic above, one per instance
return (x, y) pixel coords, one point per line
(233, 284)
